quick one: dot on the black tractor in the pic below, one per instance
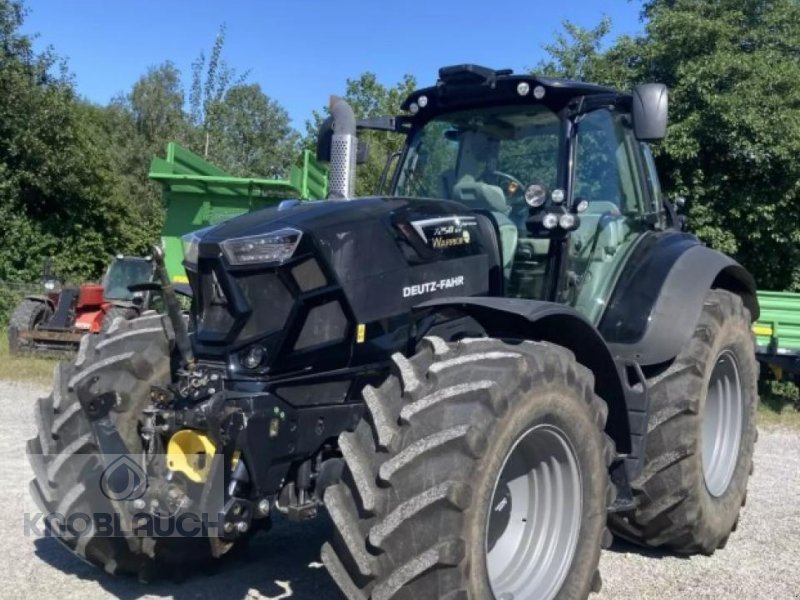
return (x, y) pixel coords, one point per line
(480, 373)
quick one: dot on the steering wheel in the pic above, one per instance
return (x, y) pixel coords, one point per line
(513, 187)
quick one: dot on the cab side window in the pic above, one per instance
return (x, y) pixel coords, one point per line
(605, 163)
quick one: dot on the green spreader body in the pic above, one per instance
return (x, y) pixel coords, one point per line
(198, 194)
(778, 332)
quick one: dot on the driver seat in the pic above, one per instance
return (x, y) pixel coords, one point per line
(482, 196)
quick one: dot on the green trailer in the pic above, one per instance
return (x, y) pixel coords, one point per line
(778, 334)
(198, 194)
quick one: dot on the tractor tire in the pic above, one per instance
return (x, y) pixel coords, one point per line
(128, 359)
(701, 435)
(126, 313)
(437, 497)
(28, 315)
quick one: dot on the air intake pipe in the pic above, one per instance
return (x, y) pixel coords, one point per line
(343, 151)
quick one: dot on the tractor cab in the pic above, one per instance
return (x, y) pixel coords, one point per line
(126, 271)
(562, 169)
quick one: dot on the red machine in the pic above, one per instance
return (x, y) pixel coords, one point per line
(91, 308)
(58, 319)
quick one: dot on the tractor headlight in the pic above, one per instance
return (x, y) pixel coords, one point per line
(275, 247)
(253, 357)
(550, 221)
(568, 221)
(535, 195)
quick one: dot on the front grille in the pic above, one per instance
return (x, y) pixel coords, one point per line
(215, 310)
(269, 301)
(237, 307)
(324, 324)
(295, 311)
(308, 275)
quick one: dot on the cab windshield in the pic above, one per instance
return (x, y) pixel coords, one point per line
(124, 272)
(502, 149)
(484, 159)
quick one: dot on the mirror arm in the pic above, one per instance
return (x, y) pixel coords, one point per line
(391, 124)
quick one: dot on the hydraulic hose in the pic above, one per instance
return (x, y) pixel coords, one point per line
(174, 312)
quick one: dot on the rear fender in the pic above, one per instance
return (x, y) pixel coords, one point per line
(515, 318)
(655, 307)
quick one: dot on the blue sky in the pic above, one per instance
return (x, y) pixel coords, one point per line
(301, 51)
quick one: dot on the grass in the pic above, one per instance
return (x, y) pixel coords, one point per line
(772, 412)
(27, 368)
(776, 411)
(788, 417)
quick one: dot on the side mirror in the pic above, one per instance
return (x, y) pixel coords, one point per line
(650, 102)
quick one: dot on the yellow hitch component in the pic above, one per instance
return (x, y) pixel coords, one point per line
(763, 330)
(190, 452)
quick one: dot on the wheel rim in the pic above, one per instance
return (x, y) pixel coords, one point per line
(722, 424)
(535, 516)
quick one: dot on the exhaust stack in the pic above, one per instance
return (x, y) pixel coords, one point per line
(344, 148)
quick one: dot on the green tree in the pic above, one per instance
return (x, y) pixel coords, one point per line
(369, 98)
(156, 103)
(138, 126)
(57, 193)
(734, 141)
(733, 145)
(211, 79)
(575, 53)
(254, 134)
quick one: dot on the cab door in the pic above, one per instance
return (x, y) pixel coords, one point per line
(606, 175)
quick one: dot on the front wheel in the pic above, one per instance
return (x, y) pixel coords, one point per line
(126, 313)
(27, 316)
(66, 458)
(481, 471)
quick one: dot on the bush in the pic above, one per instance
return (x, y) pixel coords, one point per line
(778, 395)
(11, 294)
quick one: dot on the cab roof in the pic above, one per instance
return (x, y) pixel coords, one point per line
(467, 86)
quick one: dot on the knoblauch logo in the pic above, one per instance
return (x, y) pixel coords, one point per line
(117, 504)
(123, 480)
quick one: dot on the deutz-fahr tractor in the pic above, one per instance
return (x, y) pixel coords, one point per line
(482, 373)
(60, 318)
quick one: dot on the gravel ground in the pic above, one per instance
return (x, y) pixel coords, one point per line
(760, 560)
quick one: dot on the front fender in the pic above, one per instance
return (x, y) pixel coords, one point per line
(41, 298)
(522, 319)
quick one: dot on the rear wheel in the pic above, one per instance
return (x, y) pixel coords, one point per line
(701, 434)
(27, 316)
(480, 472)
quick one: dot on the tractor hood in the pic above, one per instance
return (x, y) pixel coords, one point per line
(388, 230)
(360, 261)
(306, 215)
